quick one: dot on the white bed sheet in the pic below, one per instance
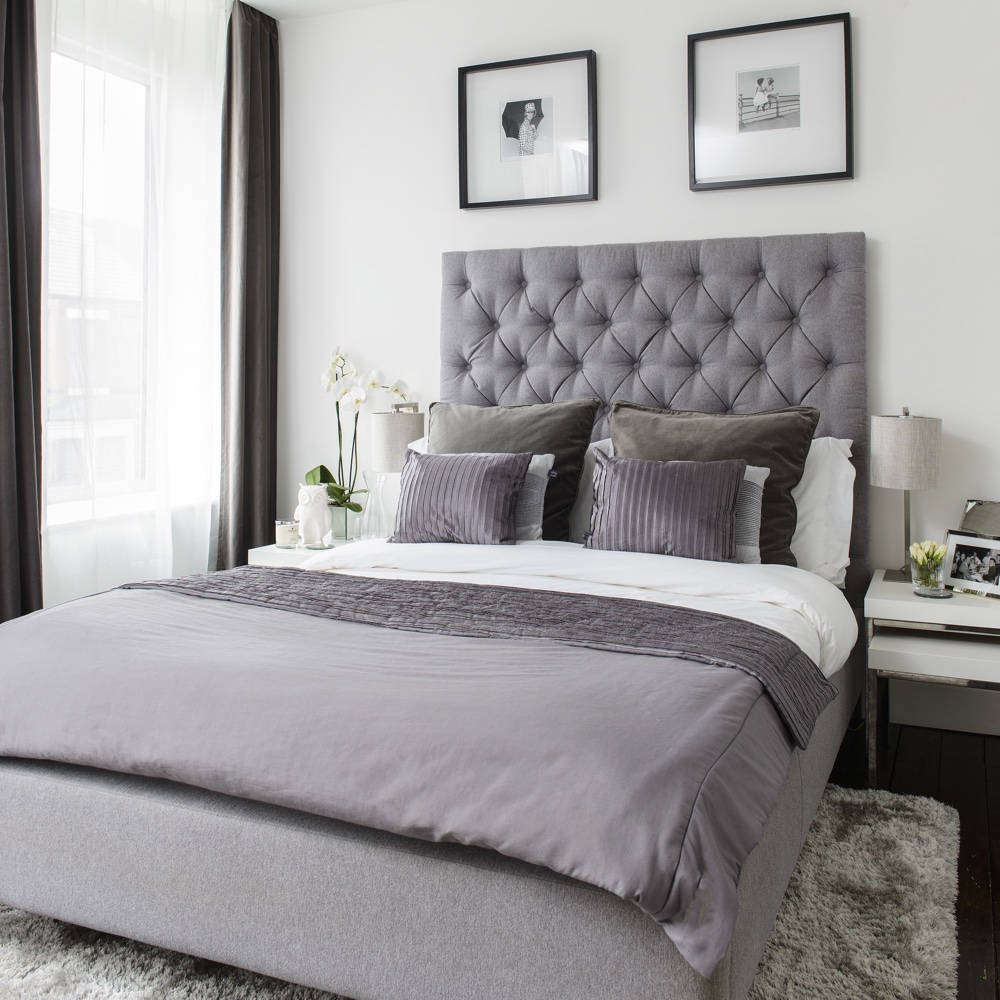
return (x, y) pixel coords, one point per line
(800, 605)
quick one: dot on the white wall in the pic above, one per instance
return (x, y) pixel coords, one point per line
(370, 196)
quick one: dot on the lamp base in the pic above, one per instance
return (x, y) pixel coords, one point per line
(896, 576)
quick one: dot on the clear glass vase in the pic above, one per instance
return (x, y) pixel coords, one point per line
(344, 523)
(928, 579)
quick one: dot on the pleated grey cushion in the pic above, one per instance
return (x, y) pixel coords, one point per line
(749, 507)
(529, 508)
(669, 508)
(459, 498)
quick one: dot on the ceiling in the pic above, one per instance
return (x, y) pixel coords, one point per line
(284, 10)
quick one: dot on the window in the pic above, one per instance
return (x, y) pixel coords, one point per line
(130, 314)
(97, 331)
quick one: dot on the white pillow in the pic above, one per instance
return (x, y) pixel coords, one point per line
(530, 505)
(824, 503)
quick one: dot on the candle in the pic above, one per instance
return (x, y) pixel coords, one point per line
(286, 534)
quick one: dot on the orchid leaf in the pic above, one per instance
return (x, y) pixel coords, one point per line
(321, 474)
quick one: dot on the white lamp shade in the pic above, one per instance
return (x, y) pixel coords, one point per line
(390, 434)
(905, 452)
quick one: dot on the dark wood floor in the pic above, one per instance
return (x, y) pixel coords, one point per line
(962, 770)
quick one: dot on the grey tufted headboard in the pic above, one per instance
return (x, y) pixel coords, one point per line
(726, 325)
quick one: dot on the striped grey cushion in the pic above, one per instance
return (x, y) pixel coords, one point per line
(749, 506)
(529, 508)
(459, 498)
(671, 508)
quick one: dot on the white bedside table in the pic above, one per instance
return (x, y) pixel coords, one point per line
(954, 641)
(271, 555)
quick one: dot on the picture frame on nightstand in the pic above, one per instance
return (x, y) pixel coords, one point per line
(972, 563)
(982, 517)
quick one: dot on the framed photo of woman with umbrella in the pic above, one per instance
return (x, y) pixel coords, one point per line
(527, 131)
(521, 122)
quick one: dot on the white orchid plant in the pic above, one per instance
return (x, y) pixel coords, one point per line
(350, 389)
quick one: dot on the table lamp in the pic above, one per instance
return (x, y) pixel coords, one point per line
(391, 432)
(905, 455)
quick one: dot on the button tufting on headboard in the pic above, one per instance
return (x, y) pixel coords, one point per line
(724, 326)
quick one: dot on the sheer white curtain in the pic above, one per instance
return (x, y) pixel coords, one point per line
(133, 99)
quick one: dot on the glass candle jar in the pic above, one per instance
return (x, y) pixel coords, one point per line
(286, 534)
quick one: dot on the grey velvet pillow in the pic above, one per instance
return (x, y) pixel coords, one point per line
(459, 498)
(560, 429)
(775, 439)
(670, 508)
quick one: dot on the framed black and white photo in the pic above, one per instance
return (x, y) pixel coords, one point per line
(972, 563)
(771, 104)
(527, 131)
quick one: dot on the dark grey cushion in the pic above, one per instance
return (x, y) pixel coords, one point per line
(670, 508)
(560, 429)
(459, 498)
(776, 439)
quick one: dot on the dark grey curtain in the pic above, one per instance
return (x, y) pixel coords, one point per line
(20, 317)
(250, 178)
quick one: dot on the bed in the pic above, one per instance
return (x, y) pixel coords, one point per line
(738, 325)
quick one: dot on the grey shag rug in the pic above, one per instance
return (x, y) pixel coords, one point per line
(870, 909)
(870, 912)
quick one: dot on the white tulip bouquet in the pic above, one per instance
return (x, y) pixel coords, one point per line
(926, 559)
(350, 389)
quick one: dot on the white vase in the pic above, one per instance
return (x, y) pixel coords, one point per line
(313, 515)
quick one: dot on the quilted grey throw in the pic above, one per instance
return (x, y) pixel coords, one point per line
(572, 732)
(793, 682)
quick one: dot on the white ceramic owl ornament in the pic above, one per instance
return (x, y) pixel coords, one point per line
(313, 515)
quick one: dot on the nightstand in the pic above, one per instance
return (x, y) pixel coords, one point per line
(954, 641)
(271, 555)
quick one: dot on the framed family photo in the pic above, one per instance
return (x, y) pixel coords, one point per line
(771, 104)
(972, 563)
(527, 131)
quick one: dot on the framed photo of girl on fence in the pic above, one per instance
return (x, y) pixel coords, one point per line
(771, 104)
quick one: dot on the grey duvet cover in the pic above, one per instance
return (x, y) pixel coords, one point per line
(649, 775)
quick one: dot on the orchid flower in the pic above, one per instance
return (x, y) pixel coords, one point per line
(344, 387)
(350, 389)
(400, 390)
(352, 399)
(330, 377)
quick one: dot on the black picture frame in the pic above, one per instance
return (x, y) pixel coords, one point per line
(557, 96)
(736, 139)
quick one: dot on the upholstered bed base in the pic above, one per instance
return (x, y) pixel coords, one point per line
(720, 325)
(366, 914)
